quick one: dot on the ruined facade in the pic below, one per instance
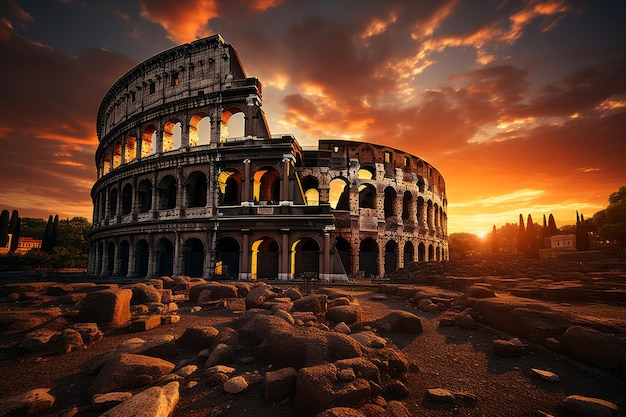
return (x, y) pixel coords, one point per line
(175, 195)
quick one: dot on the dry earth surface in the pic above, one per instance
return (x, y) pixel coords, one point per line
(451, 357)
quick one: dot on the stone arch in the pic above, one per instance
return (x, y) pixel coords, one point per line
(305, 260)
(106, 162)
(431, 253)
(430, 218)
(367, 196)
(233, 124)
(367, 172)
(421, 184)
(117, 154)
(144, 195)
(148, 141)
(368, 257)
(310, 187)
(167, 193)
(113, 195)
(436, 213)
(339, 194)
(267, 185)
(228, 253)
(407, 206)
(130, 148)
(229, 183)
(199, 129)
(344, 250)
(165, 257)
(196, 187)
(142, 258)
(390, 202)
(264, 260)
(438, 254)
(420, 210)
(391, 257)
(193, 256)
(421, 252)
(124, 257)
(172, 135)
(409, 253)
(127, 199)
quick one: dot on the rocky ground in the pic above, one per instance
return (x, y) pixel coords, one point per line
(542, 343)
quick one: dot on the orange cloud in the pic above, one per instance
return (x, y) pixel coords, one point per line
(184, 21)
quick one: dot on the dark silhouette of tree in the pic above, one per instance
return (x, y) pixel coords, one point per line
(16, 237)
(522, 243)
(543, 234)
(4, 228)
(47, 242)
(55, 231)
(14, 230)
(495, 244)
(531, 238)
(582, 235)
(552, 229)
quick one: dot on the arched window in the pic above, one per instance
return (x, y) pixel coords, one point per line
(199, 130)
(167, 193)
(229, 182)
(144, 196)
(367, 196)
(148, 141)
(390, 202)
(196, 189)
(172, 136)
(267, 185)
(127, 199)
(339, 195)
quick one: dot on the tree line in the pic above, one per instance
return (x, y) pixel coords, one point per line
(63, 242)
(608, 225)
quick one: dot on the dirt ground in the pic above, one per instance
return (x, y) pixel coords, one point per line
(453, 358)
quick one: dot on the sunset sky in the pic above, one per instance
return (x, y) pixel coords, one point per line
(519, 104)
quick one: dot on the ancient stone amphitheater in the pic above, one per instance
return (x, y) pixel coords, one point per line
(177, 195)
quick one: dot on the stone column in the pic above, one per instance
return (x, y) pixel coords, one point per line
(244, 264)
(283, 271)
(288, 159)
(246, 194)
(326, 271)
(176, 268)
(131, 261)
(151, 257)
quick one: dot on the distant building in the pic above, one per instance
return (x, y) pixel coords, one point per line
(559, 244)
(176, 195)
(26, 244)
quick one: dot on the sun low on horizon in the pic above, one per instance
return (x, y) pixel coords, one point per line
(519, 110)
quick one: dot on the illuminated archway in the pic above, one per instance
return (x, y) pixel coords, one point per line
(264, 260)
(339, 195)
(199, 130)
(267, 185)
(148, 140)
(172, 136)
(229, 182)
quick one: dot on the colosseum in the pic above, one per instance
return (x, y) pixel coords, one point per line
(176, 194)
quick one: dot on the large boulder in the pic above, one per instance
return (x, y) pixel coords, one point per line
(152, 402)
(143, 294)
(128, 371)
(319, 388)
(258, 295)
(348, 314)
(280, 384)
(582, 343)
(31, 403)
(214, 291)
(400, 321)
(198, 338)
(107, 307)
(315, 303)
(589, 407)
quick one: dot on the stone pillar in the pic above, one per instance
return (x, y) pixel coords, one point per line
(184, 134)
(288, 159)
(131, 261)
(155, 194)
(176, 268)
(381, 257)
(158, 143)
(246, 194)
(117, 261)
(105, 259)
(244, 265)
(151, 257)
(283, 271)
(326, 271)
(180, 190)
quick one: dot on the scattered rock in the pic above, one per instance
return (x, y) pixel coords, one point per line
(400, 321)
(342, 328)
(106, 307)
(506, 348)
(441, 395)
(110, 399)
(198, 337)
(235, 385)
(589, 407)
(280, 384)
(30, 403)
(547, 375)
(154, 401)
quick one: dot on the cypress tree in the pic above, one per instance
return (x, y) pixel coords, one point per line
(55, 231)
(552, 229)
(46, 241)
(495, 245)
(521, 236)
(4, 228)
(16, 236)
(531, 237)
(14, 230)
